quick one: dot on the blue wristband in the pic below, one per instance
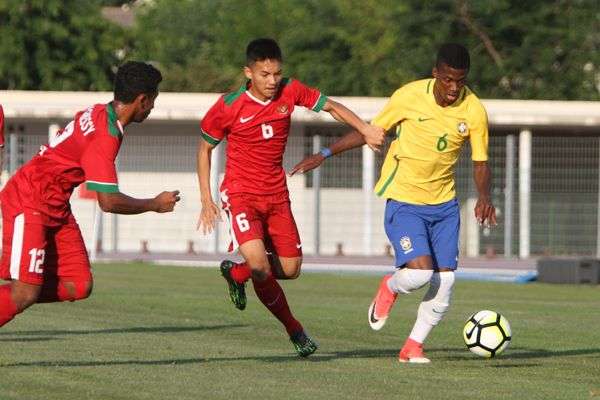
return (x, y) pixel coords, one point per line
(326, 152)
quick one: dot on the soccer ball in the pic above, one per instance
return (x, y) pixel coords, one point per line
(487, 333)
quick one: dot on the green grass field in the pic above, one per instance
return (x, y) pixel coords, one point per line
(151, 332)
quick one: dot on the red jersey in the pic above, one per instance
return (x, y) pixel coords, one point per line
(1, 127)
(85, 150)
(257, 132)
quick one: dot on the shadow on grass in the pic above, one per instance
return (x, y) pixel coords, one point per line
(58, 364)
(518, 353)
(137, 329)
(524, 352)
(528, 365)
(320, 357)
(28, 339)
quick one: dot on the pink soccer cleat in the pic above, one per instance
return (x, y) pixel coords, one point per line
(379, 310)
(412, 352)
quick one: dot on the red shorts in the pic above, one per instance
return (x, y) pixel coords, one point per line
(266, 217)
(33, 252)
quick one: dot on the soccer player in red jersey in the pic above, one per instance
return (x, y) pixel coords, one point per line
(256, 122)
(43, 253)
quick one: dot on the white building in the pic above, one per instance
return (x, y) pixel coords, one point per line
(544, 157)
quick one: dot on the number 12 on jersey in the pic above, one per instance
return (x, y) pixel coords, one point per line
(36, 260)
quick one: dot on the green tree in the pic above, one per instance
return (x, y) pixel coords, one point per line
(534, 49)
(57, 45)
(520, 49)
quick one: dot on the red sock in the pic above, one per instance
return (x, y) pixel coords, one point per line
(241, 272)
(8, 309)
(271, 295)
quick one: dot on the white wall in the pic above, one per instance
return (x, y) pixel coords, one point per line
(341, 213)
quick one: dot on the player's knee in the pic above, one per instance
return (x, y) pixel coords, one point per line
(77, 290)
(85, 290)
(260, 273)
(408, 280)
(292, 268)
(294, 273)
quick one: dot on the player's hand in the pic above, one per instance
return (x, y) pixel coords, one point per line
(374, 137)
(165, 201)
(485, 212)
(209, 215)
(310, 162)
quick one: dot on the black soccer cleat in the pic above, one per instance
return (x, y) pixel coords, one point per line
(303, 343)
(237, 291)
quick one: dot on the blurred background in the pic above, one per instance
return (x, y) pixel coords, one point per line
(536, 65)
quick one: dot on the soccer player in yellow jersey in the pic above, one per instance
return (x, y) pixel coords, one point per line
(433, 119)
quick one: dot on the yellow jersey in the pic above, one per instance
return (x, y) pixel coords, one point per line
(419, 165)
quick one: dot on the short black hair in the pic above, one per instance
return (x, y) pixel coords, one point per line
(134, 78)
(262, 49)
(453, 55)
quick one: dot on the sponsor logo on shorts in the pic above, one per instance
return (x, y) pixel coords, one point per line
(405, 244)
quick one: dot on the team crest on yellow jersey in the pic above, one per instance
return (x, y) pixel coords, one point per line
(462, 128)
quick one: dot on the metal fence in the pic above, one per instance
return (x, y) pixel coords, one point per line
(563, 214)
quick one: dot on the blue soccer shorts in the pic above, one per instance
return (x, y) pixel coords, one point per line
(421, 230)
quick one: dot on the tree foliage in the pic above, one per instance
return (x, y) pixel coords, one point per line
(535, 49)
(56, 45)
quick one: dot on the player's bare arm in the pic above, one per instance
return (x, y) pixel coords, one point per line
(119, 203)
(484, 209)
(351, 140)
(373, 135)
(209, 212)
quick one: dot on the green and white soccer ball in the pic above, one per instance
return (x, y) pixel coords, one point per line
(487, 333)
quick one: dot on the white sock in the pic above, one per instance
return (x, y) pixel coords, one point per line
(434, 305)
(407, 280)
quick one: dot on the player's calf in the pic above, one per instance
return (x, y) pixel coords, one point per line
(24, 294)
(8, 308)
(16, 297)
(434, 306)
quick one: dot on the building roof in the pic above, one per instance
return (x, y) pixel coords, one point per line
(193, 106)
